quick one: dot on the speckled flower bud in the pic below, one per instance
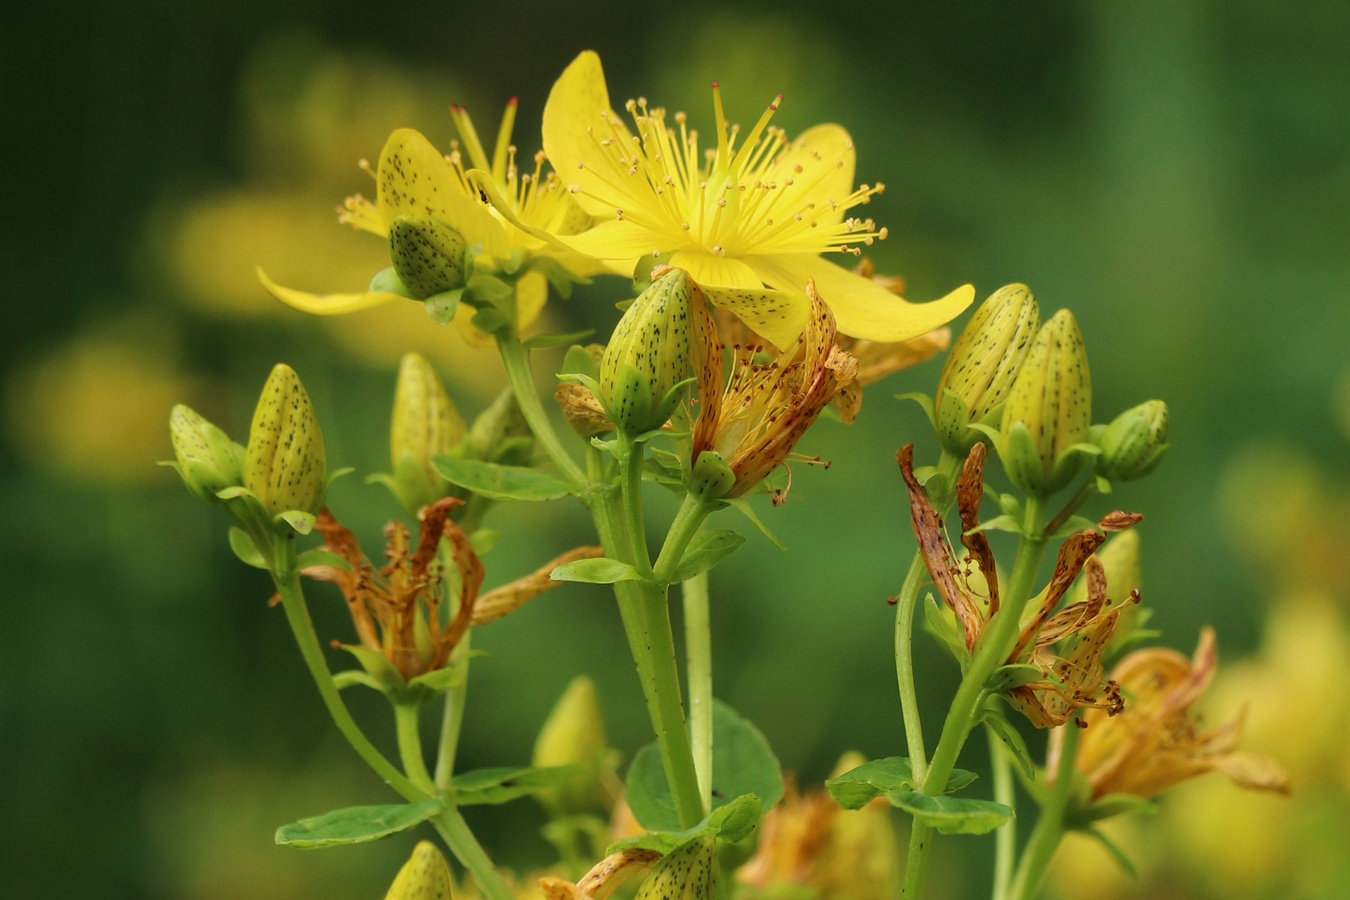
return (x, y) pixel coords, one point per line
(980, 369)
(500, 433)
(425, 876)
(1049, 410)
(428, 255)
(574, 733)
(208, 460)
(1134, 443)
(648, 356)
(689, 872)
(425, 424)
(285, 466)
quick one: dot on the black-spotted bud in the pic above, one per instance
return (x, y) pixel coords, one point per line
(428, 255)
(981, 368)
(574, 734)
(689, 872)
(425, 424)
(285, 466)
(207, 460)
(1048, 413)
(425, 876)
(500, 433)
(1134, 443)
(646, 364)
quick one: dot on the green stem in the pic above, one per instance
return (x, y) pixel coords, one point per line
(906, 602)
(452, 719)
(287, 580)
(516, 359)
(407, 724)
(1049, 829)
(698, 669)
(630, 480)
(1005, 846)
(693, 510)
(457, 836)
(1083, 495)
(996, 642)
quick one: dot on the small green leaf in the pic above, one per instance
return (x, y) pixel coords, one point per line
(301, 521)
(377, 667)
(600, 570)
(502, 482)
(1116, 853)
(733, 822)
(743, 764)
(742, 505)
(443, 306)
(543, 341)
(1012, 740)
(483, 540)
(856, 787)
(952, 815)
(1007, 677)
(706, 551)
(925, 403)
(1117, 804)
(1001, 523)
(579, 361)
(501, 785)
(321, 557)
(244, 548)
(357, 824)
(350, 677)
(439, 681)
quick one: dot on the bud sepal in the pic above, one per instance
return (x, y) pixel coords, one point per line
(1134, 443)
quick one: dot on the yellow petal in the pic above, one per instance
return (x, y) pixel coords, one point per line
(325, 304)
(716, 271)
(830, 143)
(573, 111)
(414, 178)
(861, 307)
(779, 316)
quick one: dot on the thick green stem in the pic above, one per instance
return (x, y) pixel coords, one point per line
(516, 359)
(698, 669)
(1005, 839)
(996, 642)
(1049, 829)
(287, 580)
(693, 510)
(457, 836)
(630, 477)
(407, 724)
(452, 719)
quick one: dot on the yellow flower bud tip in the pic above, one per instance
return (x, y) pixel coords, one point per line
(425, 876)
(1134, 443)
(285, 466)
(425, 421)
(1049, 409)
(427, 254)
(689, 872)
(982, 366)
(649, 354)
(208, 460)
(574, 733)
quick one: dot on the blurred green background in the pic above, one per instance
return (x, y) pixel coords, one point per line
(1175, 172)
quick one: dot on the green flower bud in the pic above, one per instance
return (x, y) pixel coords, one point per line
(208, 460)
(1049, 410)
(284, 465)
(428, 255)
(500, 433)
(575, 733)
(647, 360)
(981, 367)
(689, 872)
(1134, 443)
(425, 876)
(425, 424)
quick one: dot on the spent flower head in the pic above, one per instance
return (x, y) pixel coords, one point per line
(748, 217)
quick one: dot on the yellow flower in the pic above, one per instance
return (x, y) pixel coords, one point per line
(423, 199)
(748, 221)
(753, 424)
(1157, 742)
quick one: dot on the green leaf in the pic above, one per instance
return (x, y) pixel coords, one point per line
(1072, 525)
(1007, 677)
(357, 824)
(350, 677)
(856, 787)
(244, 548)
(1115, 851)
(706, 551)
(377, 667)
(743, 764)
(733, 822)
(439, 680)
(600, 570)
(502, 482)
(501, 785)
(1012, 740)
(1117, 804)
(741, 505)
(443, 306)
(579, 361)
(940, 622)
(301, 521)
(321, 557)
(483, 540)
(542, 341)
(1001, 523)
(952, 815)
(925, 402)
